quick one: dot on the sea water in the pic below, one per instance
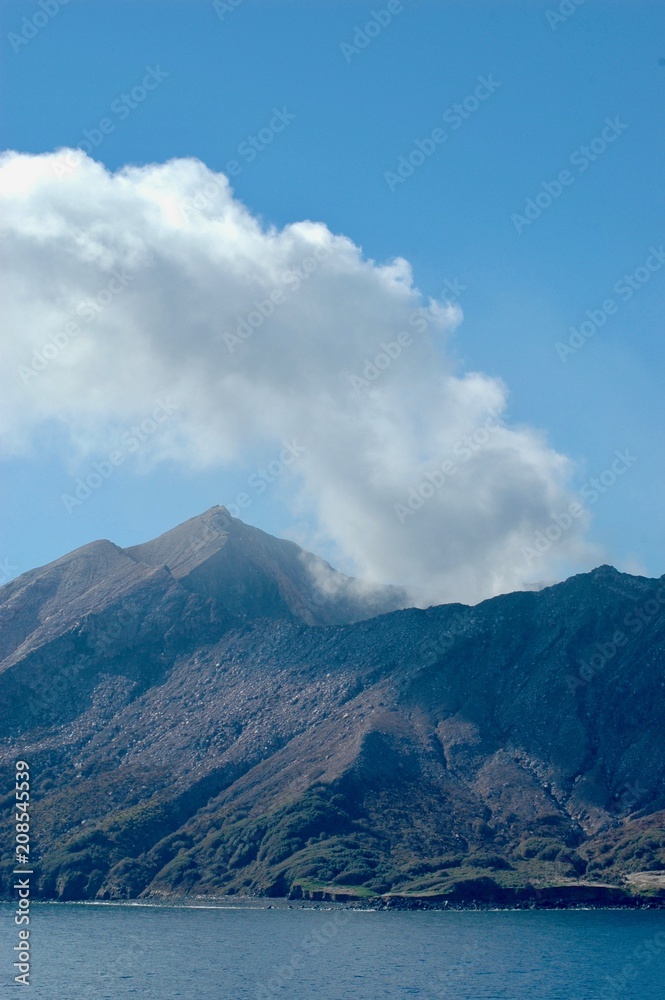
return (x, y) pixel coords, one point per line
(108, 952)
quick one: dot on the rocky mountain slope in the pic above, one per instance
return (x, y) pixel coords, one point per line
(200, 718)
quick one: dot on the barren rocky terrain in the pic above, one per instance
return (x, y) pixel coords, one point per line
(201, 719)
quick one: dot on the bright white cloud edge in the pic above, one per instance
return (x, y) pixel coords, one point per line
(163, 273)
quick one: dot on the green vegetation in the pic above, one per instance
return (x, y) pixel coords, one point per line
(322, 846)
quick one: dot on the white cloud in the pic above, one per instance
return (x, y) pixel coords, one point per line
(164, 273)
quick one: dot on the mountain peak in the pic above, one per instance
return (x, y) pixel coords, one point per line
(525, 733)
(189, 544)
(238, 568)
(173, 694)
(253, 574)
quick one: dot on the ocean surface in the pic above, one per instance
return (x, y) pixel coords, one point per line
(81, 952)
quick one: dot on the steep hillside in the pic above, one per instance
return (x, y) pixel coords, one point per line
(200, 719)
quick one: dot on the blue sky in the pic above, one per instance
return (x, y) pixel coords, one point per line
(454, 218)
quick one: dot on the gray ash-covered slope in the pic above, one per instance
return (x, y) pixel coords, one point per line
(200, 720)
(253, 574)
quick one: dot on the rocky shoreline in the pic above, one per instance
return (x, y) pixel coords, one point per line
(371, 905)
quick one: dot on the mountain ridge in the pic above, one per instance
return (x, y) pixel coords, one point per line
(217, 727)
